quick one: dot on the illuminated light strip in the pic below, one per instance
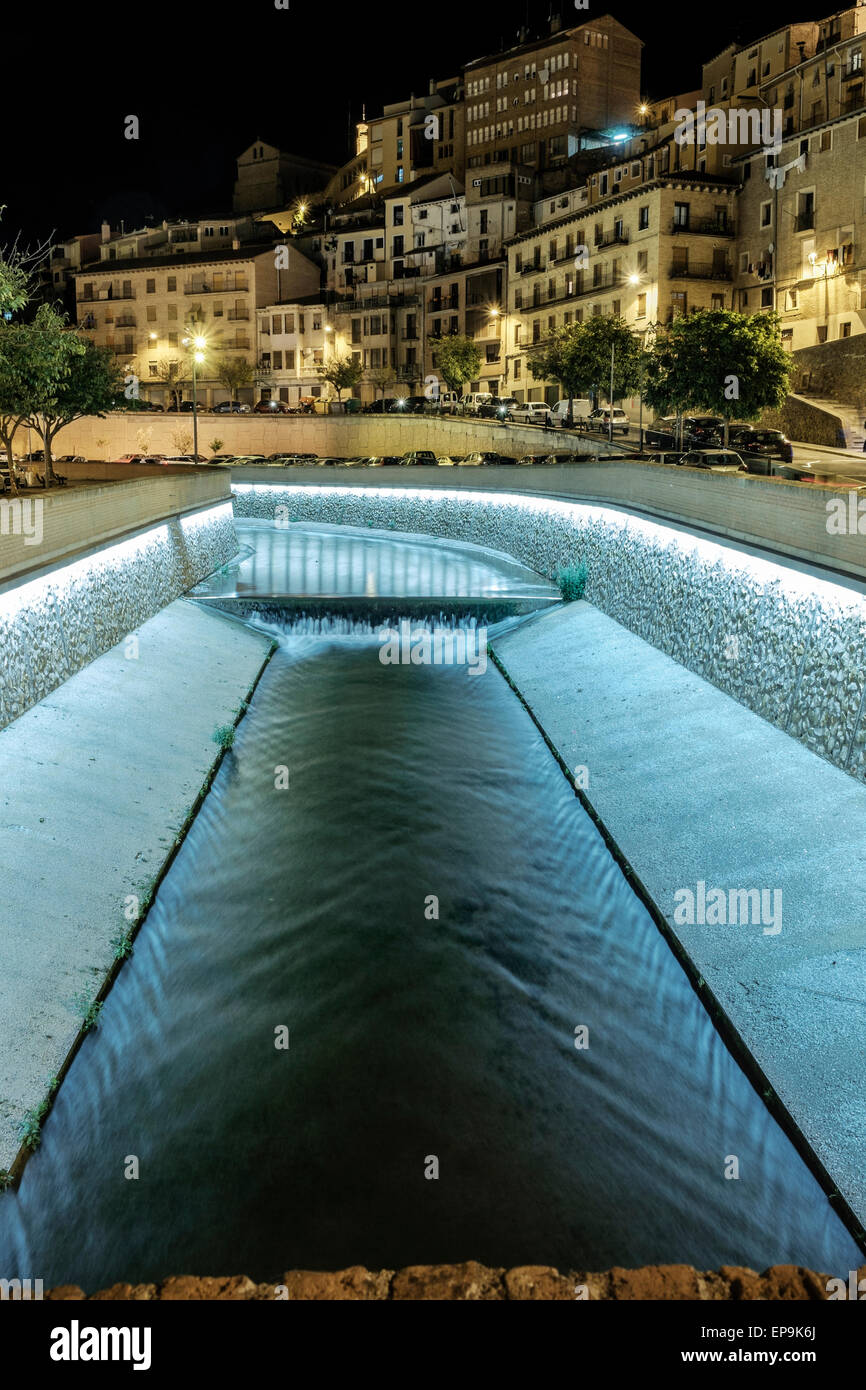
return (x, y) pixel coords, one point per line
(792, 583)
(36, 591)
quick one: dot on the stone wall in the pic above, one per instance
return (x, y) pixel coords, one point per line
(808, 423)
(836, 369)
(472, 1282)
(784, 644)
(340, 435)
(54, 625)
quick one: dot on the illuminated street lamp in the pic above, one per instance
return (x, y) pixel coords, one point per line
(199, 343)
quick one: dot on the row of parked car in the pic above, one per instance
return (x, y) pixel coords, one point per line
(419, 458)
(708, 432)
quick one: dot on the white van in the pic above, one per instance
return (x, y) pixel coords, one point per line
(469, 404)
(581, 410)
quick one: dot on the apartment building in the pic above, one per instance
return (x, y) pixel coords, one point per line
(802, 207)
(660, 247)
(143, 300)
(294, 341)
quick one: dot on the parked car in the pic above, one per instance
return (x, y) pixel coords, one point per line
(484, 457)
(254, 460)
(698, 431)
(422, 457)
(140, 458)
(469, 403)
(72, 458)
(184, 458)
(530, 413)
(769, 443)
(714, 460)
(449, 460)
(581, 409)
(377, 407)
(559, 456)
(38, 456)
(497, 408)
(414, 405)
(231, 408)
(271, 407)
(600, 420)
(664, 456)
(533, 459)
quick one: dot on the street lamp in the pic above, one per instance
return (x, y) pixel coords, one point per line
(199, 343)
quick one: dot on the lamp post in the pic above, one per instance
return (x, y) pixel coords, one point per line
(199, 344)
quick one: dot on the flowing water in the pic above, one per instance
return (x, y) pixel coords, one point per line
(429, 912)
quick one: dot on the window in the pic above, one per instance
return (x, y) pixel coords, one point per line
(172, 311)
(151, 313)
(150, 287)
(290, 360)
(278, 361)
(641, 306)
(767, 298)
(822, 333)
(681, 214)
(766, 214)
(171, 284)
(398, 215)
(826, 140)
(844, 330)
(643, 218)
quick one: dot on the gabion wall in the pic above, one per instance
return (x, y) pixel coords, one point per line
(53, 626)
(786, 645)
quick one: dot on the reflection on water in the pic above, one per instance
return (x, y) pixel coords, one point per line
(417, 1028)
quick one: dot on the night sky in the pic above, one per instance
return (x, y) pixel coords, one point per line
(205, 83)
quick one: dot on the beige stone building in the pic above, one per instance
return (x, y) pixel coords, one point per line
(152, 288)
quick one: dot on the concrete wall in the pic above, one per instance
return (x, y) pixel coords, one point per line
(318, 434)
(836, 369)
(808, 423)
(777, 515)
(57, 623)
(75, 520)
(785, 644)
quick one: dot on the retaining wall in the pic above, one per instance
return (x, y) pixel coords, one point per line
(57, 623)
(341, 435)
(783, 643)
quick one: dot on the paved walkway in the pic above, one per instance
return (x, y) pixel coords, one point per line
(694, 788)
(95, 781)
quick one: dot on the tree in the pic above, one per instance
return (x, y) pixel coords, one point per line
(381, 378)
(721, 362)
(83, 380)
(342, 373)
(172, 372)
(579, 359)
(233, 373)
(457, 358)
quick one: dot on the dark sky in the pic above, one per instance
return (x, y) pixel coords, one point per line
(205, 81)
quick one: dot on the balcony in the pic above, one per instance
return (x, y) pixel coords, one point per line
(614, 238)
(236, 345)
(380, 301)
(127, 321)
(534, 268)
(443, 306)
(410, 335)
(705, 226)
(853, 72)
(706, 270)
(238, 315)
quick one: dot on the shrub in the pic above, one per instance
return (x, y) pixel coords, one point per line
(224, 735)
(572, 581)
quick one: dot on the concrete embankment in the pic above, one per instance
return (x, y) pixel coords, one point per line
(98, 781)
(699, 794)
(473, 1282)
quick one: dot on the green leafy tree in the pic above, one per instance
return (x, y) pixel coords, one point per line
(578, 358)
(457, 358)
(86, 384)
(721, 362)
(341, 373)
